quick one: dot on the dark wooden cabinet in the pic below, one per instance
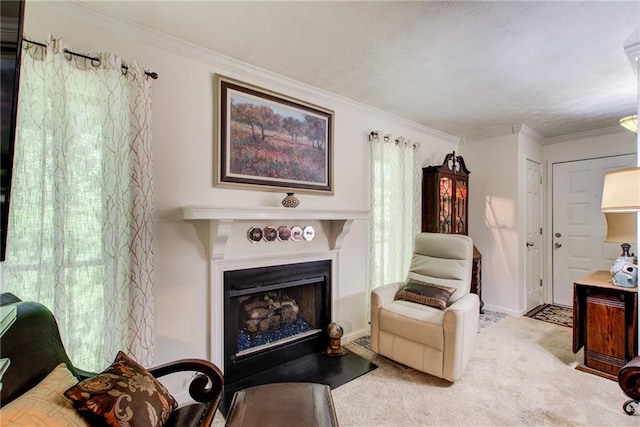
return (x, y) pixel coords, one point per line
(445, 207)
(605, 323)
(445, 191)
(476, 276)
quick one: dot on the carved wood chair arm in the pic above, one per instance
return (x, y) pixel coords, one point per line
(206, 385)
(629, 378)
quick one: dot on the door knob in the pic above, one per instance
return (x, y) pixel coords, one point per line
(557, 245)
(529, 244)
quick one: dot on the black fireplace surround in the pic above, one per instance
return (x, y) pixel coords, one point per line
(252, 346)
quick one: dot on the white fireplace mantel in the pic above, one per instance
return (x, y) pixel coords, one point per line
(221, 220)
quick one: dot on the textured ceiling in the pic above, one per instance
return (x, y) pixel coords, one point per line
(465, 68)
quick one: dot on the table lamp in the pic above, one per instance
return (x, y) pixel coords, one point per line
(620, 204)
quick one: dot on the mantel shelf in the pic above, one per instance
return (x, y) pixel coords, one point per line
(267, 213)
(221, 220)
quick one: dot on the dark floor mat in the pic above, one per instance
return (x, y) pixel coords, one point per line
(559, 315)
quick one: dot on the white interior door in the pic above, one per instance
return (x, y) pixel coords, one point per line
(533, 266)
(579, 226)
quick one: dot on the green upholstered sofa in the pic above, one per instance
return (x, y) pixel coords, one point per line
(34, 348)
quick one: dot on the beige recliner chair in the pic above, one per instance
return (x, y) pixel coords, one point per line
(429, 339)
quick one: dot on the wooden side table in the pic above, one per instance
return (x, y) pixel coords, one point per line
(605, 323)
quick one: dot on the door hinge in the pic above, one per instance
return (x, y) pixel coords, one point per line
(540, 282)
(541, 231)
(540, 177)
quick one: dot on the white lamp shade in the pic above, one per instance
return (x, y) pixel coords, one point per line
(621, 227)
(621, 190)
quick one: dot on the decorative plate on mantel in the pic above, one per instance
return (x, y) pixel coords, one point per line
(284, 233)
(254, 234)
(296, 233)
(270, 233)
(308, 233)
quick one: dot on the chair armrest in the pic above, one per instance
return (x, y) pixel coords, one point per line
(384, 294)
(379, 297)
(205, 386)
(629, 378)
(463, 313)
(464, 304)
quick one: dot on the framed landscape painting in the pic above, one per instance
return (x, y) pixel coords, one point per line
(271, 141)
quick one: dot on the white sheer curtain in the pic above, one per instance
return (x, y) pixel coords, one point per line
(395, 208)
(80, 233)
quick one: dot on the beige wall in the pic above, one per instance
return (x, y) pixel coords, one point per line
(496, 204)
(183, 130)
(183, 134)
(493, 222)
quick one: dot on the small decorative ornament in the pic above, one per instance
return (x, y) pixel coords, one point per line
(290, 201)
(270, 233)
(335, 332)
(254, 234)
(296, 233)
(308, 233)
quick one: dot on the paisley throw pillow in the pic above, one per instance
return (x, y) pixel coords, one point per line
(125, 394)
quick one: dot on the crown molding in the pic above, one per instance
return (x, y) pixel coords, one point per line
(531, 134)
(222, 63)
(539, 138)
(521, 129)
(632, 49)
(493, 133)
(632, 46)
(584, 135)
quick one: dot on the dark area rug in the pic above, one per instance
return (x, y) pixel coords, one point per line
(550, 313)
(315, 368)
(490, 318)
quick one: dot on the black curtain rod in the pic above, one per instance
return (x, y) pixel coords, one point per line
(151, 74)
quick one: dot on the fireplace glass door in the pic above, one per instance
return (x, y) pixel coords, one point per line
(268, 317)
(274, 314)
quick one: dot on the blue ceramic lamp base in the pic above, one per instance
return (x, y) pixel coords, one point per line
(624, 272)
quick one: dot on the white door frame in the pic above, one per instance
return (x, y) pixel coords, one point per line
(534, 271)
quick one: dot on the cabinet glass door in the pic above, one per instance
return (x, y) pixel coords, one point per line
(460, 219)
(446, 204)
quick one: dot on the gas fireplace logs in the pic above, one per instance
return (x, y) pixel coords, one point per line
(269, 311)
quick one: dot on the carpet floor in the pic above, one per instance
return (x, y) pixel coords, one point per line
(521, 373)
